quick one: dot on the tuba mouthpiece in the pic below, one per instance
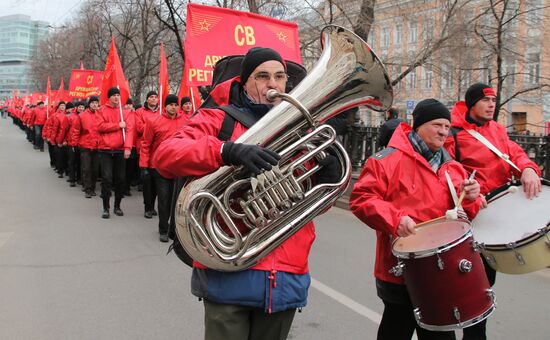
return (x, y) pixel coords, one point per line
(271, 95)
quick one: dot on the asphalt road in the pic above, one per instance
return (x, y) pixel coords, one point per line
(65, 273)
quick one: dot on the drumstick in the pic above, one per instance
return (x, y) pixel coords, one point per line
(453, 213)
(425, 223)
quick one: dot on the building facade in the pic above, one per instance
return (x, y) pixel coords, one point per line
(449, 48)
(19, 37)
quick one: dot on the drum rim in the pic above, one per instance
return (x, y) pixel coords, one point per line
(460, 325)
(520, 243)
(433, 251)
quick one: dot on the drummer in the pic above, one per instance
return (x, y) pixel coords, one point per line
(399, 187)
(476, 113)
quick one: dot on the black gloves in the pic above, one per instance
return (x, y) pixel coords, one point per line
(331, 172)
(253, 157)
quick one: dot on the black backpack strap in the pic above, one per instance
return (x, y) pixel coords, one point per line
(233, 114)
(454, 132)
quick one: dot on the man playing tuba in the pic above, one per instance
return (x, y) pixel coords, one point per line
(257, 303)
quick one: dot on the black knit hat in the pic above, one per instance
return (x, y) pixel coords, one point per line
(61, 102)
(112, 91)
(256, 56)
(93, 99)
(69, 105)
(427, 110)
(185, 100)
(80, 103)
(171, 99)
(151, 93)
(477, 92)
(40, 102)
(129, 101)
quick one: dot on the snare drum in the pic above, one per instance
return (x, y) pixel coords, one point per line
(513, 231)
(445, 276)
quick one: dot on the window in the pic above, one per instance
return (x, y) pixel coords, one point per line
(446, 75)
(532, 68)
(465, 78)
(427, 83)
(411, 80)
(510, 69)
(385, 39)
(398, 34)
(429, 29)
(413, 31)
(372, 38)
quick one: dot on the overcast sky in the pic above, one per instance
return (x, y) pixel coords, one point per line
(56, 12)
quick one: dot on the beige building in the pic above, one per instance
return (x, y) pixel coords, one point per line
(456, 48)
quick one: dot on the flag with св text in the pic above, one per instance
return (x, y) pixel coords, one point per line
(215, 32)
(85, 83)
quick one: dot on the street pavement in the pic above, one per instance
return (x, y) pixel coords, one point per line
(65, 273)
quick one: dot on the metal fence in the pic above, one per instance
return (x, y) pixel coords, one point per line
(361, 143)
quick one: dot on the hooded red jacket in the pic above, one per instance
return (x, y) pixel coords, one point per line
(156, 131)
(492, 171)
(74, 119)
(62, 129)
(83, 132)
(194, 150)
(110, 133)
(400, 182)
(142, 115)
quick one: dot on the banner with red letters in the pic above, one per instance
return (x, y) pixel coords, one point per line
(85, 83)
(215, 32)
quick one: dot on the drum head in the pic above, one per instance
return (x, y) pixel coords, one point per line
(512, 217)
(430, 238)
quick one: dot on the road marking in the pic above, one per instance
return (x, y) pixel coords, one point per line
(346, 301)
(4, 237)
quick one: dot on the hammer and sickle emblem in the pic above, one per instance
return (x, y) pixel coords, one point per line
(89, 79)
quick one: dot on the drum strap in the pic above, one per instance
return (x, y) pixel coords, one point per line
(493, 148)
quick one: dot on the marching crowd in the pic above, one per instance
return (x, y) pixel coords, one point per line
(88, 143)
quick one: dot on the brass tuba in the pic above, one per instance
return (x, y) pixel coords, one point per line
(212, 211)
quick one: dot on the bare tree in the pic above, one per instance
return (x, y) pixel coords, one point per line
(502, 40)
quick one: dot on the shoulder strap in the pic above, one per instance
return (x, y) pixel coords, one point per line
(454, 132)
(233, 114)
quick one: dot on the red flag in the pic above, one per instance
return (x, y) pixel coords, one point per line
(48, 97)
(60, 94)
(81, 65)
(85, 83)
(191, 92)
(113, 76)
(214, 32)
(164, 87)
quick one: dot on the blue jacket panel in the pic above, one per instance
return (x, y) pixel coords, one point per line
(271, 291)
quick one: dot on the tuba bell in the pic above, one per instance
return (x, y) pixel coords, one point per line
(228, 220)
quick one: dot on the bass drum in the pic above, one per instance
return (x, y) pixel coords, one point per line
(513, 231)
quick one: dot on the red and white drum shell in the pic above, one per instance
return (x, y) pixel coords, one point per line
(445, 276)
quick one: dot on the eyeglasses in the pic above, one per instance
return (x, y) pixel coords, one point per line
(265, 77)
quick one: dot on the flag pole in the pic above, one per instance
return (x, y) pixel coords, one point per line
(192, 98)
(121, 116)
(160, 101)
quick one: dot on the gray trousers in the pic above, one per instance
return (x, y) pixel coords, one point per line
(233, 322)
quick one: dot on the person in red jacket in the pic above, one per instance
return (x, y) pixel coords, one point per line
(156, 131)
(132, 163)
(399, 187)
(476, 114)
(186, 108)
(60, 131)
(150, 110)
(257, 303)
(116, 138)
(73, 153)
(46, 134)
(84, 134)
(38, 121)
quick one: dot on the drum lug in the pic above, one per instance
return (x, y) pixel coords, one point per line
(513, 246)
(440, 263)
(492, 296)
(397, 270)
(491, 259)
(477, 246)
(544, 232)
(417, 314)
(465, 266)
(456, 314)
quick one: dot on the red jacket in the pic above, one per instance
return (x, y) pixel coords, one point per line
(492, 171)
(110, 133)
(46, 130)
(400, 182)
(62, 129)
(194, 150)
(83, 132)
(156, 131)
(39, 116)
(141, 115)
(74, 119)
(53, 128)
